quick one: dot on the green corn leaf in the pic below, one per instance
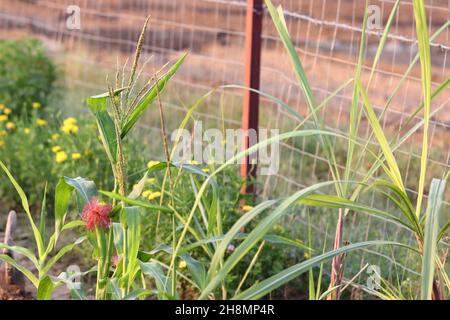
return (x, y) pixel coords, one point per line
(38, 237)
(63, 193)
(22, 251)
(43, 215)
(155, 271)
(27, 273)
(98, 106)
(118, 237)
(136, 202)
(196, 269)
(45, 289)
(133, 231)
(151, 96)
(86, 189)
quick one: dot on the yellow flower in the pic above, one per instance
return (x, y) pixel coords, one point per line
(70, 121)
(7, 111)
(3, 133)
(182, 264)
(56, 149)
(146, 193)
(76, 156)
(61, 156)
(247, 208)
(151, 181)
(205, 170)
(2, 143)
(41, 122)
(10, 125)
(36, 105)
(68, 128)
(55, 136)
(26, 130)
(152, 163)
(154, 195)
(193, 162)
(3, 117)
(2, 106)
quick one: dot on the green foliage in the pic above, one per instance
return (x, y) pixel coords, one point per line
(27, 75)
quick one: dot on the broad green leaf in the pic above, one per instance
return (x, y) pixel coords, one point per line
(435, 200)
(151, 96)
(155, 271)
(196, 269)
(133, 230)
(63, 193)
(86, 189)
(45, 289)
(98, 106)
(118, 237)
(22, 251)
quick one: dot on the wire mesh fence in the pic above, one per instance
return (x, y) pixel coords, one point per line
(326, 34)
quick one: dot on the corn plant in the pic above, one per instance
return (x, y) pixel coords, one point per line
(47, 254)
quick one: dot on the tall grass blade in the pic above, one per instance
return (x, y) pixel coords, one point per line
(435, 200)
(264, 287)
(425, 63)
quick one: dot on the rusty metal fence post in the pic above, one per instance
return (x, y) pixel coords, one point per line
(250, 109)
